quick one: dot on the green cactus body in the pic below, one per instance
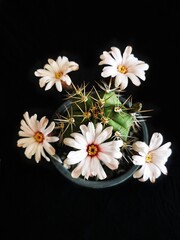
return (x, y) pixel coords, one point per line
(121, 121)
(101, 107)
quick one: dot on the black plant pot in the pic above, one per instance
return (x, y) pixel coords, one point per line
(98, 184)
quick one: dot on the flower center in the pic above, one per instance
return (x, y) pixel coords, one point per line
(58, 75)
(39, 137)
(92, 150)
(122, 69)
(149, 158)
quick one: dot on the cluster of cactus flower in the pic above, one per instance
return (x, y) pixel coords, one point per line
(96, 133)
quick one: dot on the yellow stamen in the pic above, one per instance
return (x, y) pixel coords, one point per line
(149, 158)
(58, 75)
(122, 69)
(39, 137)
(92, 150)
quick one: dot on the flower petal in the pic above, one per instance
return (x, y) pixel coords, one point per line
(156, 141)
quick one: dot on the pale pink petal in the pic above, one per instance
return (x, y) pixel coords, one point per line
(140, 146)
(109, 71)
(50, 69)
(74, 157)
(44, 155)
(42, 124)
(31, 121)
(124, 82)
(126, 53)
(43, 73)
(98, 129)
(72, 143)
(86, 167)
(104, 135)
(108, 160)
(58, 86)
(50, 84)
(161, 167)
(73, 66)
(52, 139)
(107, 59)
(164, 148)
(116, 53)
(84, 129)
(48, 147)
(138, 160)
(38, 153)
(44, 80)
(24, 142)
(154, 172)
(31, 149)
(101, 174)
(139, 172)
(79, 139)
(66, 79)
(54, 65)
(146, 173)
(77, 171)
(135, 80)
(156, 141)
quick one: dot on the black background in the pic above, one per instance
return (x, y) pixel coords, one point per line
(36, 201)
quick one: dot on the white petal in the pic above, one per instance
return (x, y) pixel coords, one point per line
(127, 52)
(162, 168)
(38, 153)
(74, 157)
(44, 80)
(80, 139)
(54, 65)
(104, 135)
(86, 167)
(140, 146)
(138, 160)
(42, 125)
(52, 139)
(49, 148)
(101, 174)
(66, 79)
(43, 73)
(77, 171)
(98, 129)
(31, 149)
(50, 84)
(32, 123)
(24, 142)
(156, 141)
(58, 85)
(154, 172)
(146, 173)
(109, 71)
(139, 172)
(44, 155)
(107, 59)
(135, 80)
(165, 148)
(116, 53)
(108, 160)
(72, 143)
(118, 79)
(84, 129)
(124, 82)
